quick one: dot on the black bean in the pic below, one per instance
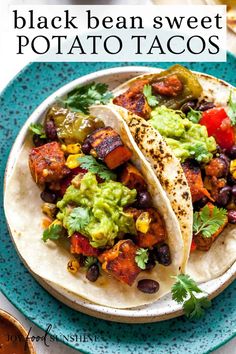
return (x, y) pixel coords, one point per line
(50, 129)
(148, 286)
(232, 216)
(81, 259)
(86, 147)
(205, 105)
(186, 106)
(224, 196)
(230, 180)
(144, 200)
(232, 152)
(48, 196)
(234, 191)
(38, 141)
(151, 262)
(200, 203)
(163, 254)
(226, 160)
(92, 273)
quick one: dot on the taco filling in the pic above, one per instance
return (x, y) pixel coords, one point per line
(200, 132)
(96, 200)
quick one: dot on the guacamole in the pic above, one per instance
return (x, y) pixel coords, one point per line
(187, 139)
(96, 210)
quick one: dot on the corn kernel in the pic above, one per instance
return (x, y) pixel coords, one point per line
(63, 147)
(74, 148)
(72, 161)
(233, 168)
(93, 153)
(73, 266)
(71, 148)
(143, 222)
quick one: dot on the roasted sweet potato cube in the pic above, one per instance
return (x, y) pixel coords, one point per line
(80, 245)
(134, 100)
(217, 167)
(119, 261)
(117, 157)
(204, 243)
(194, 178)
(171, 86)
(109, 147)
(156, 231)
(137, 86)
(132, 178)
(47, 163)
(135, 103)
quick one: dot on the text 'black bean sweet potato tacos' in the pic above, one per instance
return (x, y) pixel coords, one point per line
(87, 213)
(191, 116)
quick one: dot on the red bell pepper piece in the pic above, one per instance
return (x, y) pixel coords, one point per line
(193, 246)
(218, 125)
(80, 245)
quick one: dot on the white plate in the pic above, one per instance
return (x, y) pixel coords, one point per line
(162, 309)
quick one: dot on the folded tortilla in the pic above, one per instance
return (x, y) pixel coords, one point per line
(49, 260)
(202, 266)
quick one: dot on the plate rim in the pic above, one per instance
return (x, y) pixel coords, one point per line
(82, 305)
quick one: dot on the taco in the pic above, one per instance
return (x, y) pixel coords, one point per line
(192, 116)
(110, 235)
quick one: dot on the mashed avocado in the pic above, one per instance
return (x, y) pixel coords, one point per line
(96, 210)
(187, 139)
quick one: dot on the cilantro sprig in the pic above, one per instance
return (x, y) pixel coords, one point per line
(183, 292)
(37, 129)
(232, 108)
(53, 232)
(194, 116)
(207, 221)
(151, 99)
(77, 220)
(141, 257)
(81, 98)
(92, 165)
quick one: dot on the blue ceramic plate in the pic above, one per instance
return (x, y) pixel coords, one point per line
(90, 335)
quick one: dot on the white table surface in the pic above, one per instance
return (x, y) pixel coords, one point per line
(8, 69)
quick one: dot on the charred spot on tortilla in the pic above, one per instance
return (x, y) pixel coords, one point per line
(151, 141)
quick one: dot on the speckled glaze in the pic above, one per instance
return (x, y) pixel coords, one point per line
(18, 101)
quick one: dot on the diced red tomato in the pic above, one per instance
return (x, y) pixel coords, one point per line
(193, 246)
(218, 125)
(65, 182)
(80, 245)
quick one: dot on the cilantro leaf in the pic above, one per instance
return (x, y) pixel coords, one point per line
(208, 221)
(53, 232)
(183, 292)
(141, 257)
(194, 307)
(91, 164)
(232, 108)
(81, 98)
(77, 220)
(37, 129)
(194, 116)
(89, 261)
(151, 99)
